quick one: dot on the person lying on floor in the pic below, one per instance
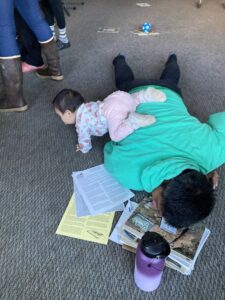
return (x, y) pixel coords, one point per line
(175, 158)
(116, 114)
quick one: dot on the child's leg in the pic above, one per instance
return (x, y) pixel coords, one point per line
(171, 72)
(119, 111)
(121, 128)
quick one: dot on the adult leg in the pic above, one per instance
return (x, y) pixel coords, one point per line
(171, 72)
(30, 11)
(10, 63)
(30, 49)
(124, 76)
(123, 73)
(48, 12)
(49, 15)
(12, 76)
(57, 9)
(125, 80)
(8, 43)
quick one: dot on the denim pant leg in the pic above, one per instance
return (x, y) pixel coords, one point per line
(31, 13)
(8, 43)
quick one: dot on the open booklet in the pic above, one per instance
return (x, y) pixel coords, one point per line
(96, 192)
(185, 244)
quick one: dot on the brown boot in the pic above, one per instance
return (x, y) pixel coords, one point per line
(12, 77)
(53, 70)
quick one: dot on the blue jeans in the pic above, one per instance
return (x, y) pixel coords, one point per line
(30, 12)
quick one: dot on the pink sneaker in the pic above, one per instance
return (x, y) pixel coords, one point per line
(29, 68)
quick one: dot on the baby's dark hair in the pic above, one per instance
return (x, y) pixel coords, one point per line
(187, 199)
(67, 100)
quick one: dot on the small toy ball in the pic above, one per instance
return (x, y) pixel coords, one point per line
(146, 27)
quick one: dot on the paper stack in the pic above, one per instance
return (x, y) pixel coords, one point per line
(185, 243)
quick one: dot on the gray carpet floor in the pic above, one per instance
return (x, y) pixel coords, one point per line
(38, 155)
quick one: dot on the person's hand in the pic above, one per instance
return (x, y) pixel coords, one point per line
(79, 147)
(214, 177)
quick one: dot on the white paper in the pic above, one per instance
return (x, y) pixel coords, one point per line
(130, 207)
(142, 4)
(108, 30)
(82, 209)
(99, 190)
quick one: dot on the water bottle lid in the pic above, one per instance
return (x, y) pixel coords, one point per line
(154, 245)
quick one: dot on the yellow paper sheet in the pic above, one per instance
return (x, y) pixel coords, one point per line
(93, 229)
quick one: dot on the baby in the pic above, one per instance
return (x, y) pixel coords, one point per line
(115, 114)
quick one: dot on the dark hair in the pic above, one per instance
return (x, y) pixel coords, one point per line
(67, 100)
(187, 199)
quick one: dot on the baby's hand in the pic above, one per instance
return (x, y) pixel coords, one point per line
(79, 147)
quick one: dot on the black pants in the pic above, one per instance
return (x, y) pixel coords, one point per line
(30, 49)
(125, 80)
(53, 9)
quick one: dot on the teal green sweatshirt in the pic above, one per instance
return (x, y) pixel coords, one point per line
(177, 141)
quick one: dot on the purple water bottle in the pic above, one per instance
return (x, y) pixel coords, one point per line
(150, 261)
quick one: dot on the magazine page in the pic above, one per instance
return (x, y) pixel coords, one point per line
(184, 243)
(170, 263)
(143, 219)
(201, 244)
(115, 235)
(128, 238)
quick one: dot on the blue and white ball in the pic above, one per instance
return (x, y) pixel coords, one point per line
(146, 27)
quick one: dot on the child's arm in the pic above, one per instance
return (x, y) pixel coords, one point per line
(84, 140)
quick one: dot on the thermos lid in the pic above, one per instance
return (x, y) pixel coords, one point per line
(154, 245)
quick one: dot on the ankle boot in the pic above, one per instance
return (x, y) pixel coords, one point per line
(53, 70)
(12, 77)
